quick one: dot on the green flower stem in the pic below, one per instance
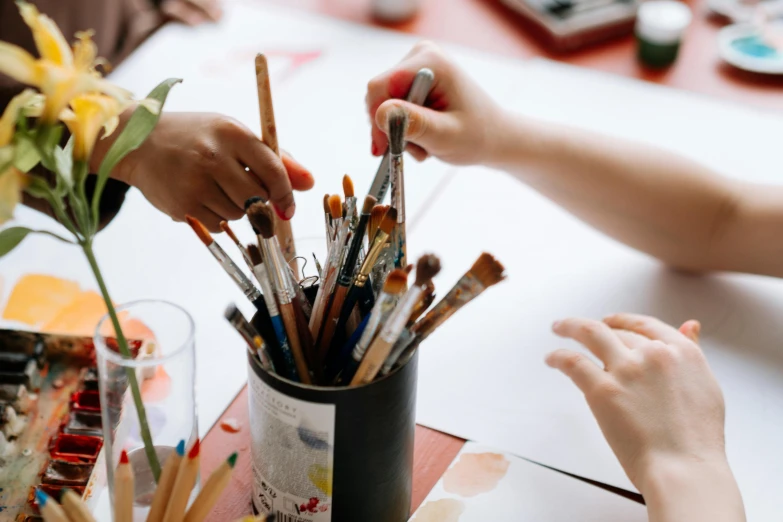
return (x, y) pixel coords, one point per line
(146, 436)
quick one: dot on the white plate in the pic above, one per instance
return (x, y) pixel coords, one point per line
(726, 42)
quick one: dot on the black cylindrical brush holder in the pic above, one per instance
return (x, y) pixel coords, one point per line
(325, 454)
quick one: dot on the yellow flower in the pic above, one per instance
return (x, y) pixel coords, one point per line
(61, 73)
(11, 180)
(28, 102)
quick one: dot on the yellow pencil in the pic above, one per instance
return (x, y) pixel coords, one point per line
(123, 490)
(183, 485)
(50, 509)
(210, 493)
(166, 483)
(75, 508)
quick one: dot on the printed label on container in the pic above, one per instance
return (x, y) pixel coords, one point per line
(293, 455)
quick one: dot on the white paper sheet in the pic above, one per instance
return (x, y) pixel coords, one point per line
(526, 492)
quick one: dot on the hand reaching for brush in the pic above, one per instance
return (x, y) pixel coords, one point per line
(661, 410)
(457, 120)
(194, 163)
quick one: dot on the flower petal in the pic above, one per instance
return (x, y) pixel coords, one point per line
(84, 51)
(49, 40)
(11, 185)
(8, 120)
(19, 64)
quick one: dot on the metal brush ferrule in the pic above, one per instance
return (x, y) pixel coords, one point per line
(375, 248)
(239, 277)
(270, 250)
(398, 187)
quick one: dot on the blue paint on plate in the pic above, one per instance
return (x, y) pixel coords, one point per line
(754, 46)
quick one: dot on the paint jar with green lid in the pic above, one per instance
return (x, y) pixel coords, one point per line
(660, 25)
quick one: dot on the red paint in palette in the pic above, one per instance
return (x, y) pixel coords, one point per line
(76, 448)
(87, 400)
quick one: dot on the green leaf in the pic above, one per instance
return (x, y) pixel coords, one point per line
(139, 126)
(26, 154)
(7, 154)
(12, 236)
(63, 162)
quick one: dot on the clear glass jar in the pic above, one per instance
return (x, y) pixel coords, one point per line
(164, 366)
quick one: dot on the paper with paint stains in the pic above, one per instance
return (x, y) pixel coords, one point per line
(486, 484)
(482, 375)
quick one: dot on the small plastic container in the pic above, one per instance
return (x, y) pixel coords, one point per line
(660, 25)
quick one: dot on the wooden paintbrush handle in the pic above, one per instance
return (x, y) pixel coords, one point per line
(330, 324)
(283, 229)
(373, 360)
(289, 320)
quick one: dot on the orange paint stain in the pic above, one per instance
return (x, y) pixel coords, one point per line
(444, 510)
(37, 299)
(157, 388)
(475, 473)
(79, 317)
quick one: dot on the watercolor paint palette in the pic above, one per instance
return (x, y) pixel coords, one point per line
(485, 484)
(50, 421)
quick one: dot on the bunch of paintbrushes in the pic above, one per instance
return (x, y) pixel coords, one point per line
(171, 498)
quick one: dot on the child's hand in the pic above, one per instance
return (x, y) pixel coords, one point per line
(459, 121)
(655, 400)
(194, 163)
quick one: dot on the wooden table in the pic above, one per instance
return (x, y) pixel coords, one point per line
(488, 26)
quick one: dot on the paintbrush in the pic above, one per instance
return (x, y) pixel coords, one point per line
(427, 267)
(327, 223)
(485, 272)
(387, 300)
(224, 226)
(357, 290)
(407, 337)
(282, 228)
(323, 297)
(344, 281)
(420, 88)
(166, 483)
(350, 199)
(262, 219)
(376, 216)
(271, 517)
(398, 124)
(211, 491)
(254, 341)
(251, 292)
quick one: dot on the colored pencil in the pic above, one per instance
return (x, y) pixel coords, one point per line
(124, 490)
(50, 509)
(166, 484)
(75, 508)
(183, 485)
(210, 493)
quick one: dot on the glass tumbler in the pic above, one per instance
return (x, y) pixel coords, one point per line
(163, 366)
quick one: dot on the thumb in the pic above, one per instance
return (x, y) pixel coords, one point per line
(691, 330)
(429, 129)
(300, 177)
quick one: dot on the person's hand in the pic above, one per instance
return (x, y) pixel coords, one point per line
(458, 122)
(192, 12)
(195, 163)
(655, 399)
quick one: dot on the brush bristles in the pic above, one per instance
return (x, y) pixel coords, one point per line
(255, 254)
(409, 268)
(335, 206)
(231, 312)
(376, 216)
(326, 204)
(251, 201)
(396, 282)
(348, 186)
(389, 220)
(200, 230)
(261, 218)
(488, 270)
(224, 226)
(398, 125)
(427, 267)
(369, 204)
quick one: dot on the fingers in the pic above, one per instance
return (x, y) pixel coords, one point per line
(238, 184)
(595, 335)
(184, 12)
(584, 372)
(300, 177)
(211, 8)
(691, 329)
(631, 339)
(221, 204)
(270, 173)
(649, 327)
(417, 152)
(427, 128)
(209, 218)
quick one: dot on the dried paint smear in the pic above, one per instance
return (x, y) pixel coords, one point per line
(475, 473)
(444, 510)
